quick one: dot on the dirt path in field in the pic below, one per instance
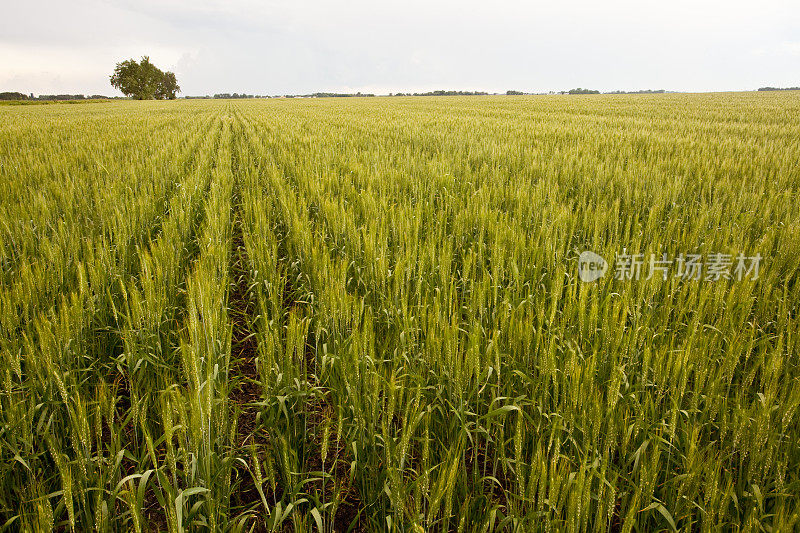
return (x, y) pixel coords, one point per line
(247, 392)
(246, 386)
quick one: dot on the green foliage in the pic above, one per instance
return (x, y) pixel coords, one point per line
(13, 96)
(167, 87)
(442, 92)
(144, 81)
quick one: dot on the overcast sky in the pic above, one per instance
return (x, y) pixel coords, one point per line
(302, 46)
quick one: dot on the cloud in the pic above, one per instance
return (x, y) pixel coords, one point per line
(310, 45)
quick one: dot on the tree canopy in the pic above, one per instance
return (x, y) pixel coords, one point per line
(13, 96)
(580, 90)
(144, 81)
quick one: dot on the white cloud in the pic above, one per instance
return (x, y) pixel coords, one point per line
(305, 46)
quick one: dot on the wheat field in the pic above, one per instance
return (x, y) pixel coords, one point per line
(366, 314)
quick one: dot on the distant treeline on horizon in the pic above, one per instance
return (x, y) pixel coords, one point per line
(779, 88)
(429, 93)
(340, 95)
(18, 96)
(56, 97)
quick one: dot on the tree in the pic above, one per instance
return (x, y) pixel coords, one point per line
(144, 81)
(583, 91)
(168, 87)
(13, 96)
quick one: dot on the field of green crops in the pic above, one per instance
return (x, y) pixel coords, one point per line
(366, 314)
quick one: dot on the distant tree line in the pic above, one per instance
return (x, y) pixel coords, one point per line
(234, 95)
(224, 96)
(779, 89)
(645, 91)
(71, 97)
(444, 93)
(51, 97)
(339, 95)
(61, 97)
(329, 95)
(13, 96)
(312, 95)
(583, 91)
